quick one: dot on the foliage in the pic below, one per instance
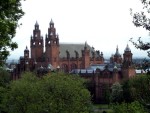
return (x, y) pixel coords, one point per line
(141, 19)
(54, 93)
(139, 88)
(4, 77)
(126, 92)
(107, 93)
(117, 92)
(134, 107)
(10, 13)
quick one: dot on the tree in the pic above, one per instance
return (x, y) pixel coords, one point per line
(5, 78)
(117, 92)
(133, 107)
(141, 19)
(139, 89)
(54, 93)
(10, 13)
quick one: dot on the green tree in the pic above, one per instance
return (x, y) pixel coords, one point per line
(10, 13)
(139, 88)
(117, 92)
(134, 107)
(141, 19)
(5, 77)
(54, 93)
(126, 92)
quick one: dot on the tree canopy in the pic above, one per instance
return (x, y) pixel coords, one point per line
(139, 88)
(142, 19)
(55, 93)
(10, 13)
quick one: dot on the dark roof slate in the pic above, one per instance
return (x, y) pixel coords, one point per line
(71, 48)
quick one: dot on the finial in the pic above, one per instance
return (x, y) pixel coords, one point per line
(117, 49)
(51, 22)
(26, 49)
(85, 43)
(36, 23)
(117, 52)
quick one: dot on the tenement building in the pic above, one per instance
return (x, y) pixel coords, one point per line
(57, 55)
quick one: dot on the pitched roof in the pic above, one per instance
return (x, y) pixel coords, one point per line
(71, 48)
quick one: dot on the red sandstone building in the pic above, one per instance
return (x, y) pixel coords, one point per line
(102, 76)
(76, 58)
(64, 56)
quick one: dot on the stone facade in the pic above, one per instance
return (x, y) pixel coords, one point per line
(64, 56)
(102, 76)
(75, 58)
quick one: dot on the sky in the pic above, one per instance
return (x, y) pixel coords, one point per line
(103, 24)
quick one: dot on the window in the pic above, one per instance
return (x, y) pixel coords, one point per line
(35, 35)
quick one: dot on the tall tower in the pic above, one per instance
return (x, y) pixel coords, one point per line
(36, 44)
(128, 69)
(26, 53)
(86, 56)
(26, 59)
(52, 46)
(127, 56)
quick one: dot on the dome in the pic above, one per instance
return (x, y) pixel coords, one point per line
(127, 48)
(26, 49)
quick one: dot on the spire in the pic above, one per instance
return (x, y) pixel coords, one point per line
(117, 52)
(51, 22)
(127, 48)
(36, 24)
(85, 44)
(26, 49)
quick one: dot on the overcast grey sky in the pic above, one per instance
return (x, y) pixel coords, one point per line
(104, 24)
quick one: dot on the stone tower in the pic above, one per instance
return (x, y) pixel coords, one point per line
(85, 56)
(128, 69)
(52, 46)
(127, 56)
(36, 44)
(26, 53)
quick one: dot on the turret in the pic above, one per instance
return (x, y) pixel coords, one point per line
(86, 56)
(128, 69)
(127, 56)
(52, 45)
(37, 45)
(116, 58)
(26, 53)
